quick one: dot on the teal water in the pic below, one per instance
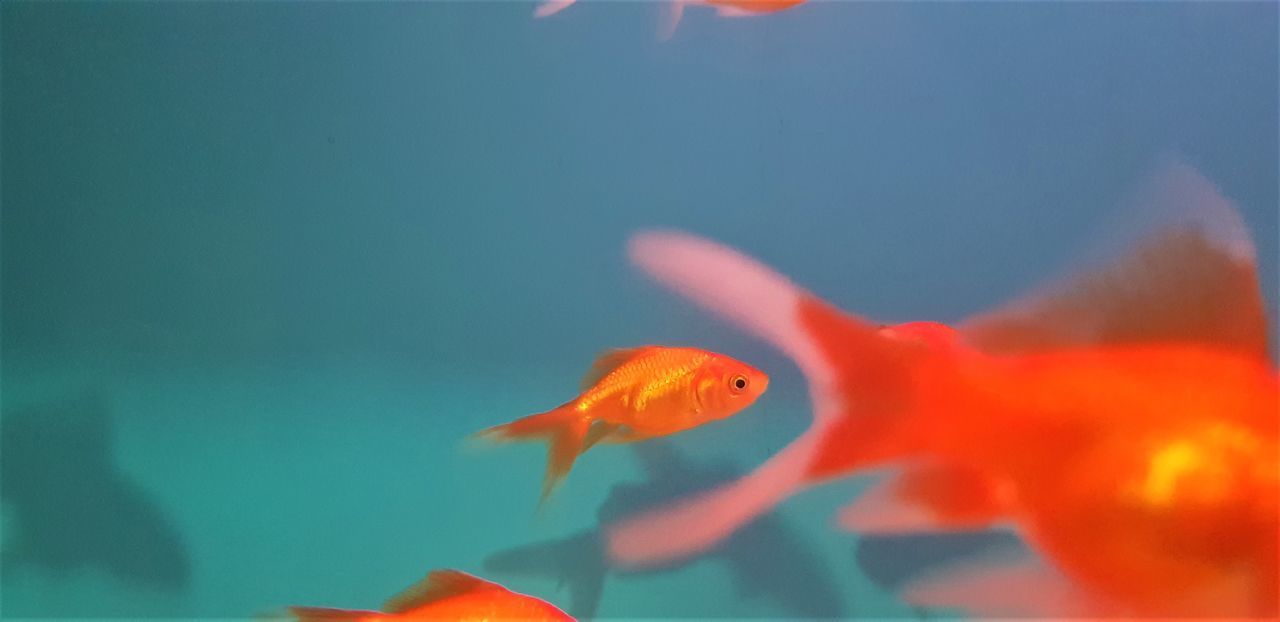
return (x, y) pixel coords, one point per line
(264, 266)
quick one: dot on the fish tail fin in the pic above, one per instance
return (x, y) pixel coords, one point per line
(547, 8)
(565, 431)
(672, 12)
(326, 614)
(856, 360)
(768, 305)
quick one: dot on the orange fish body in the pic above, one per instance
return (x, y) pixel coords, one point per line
(754, 6)
(446, 595)
(1127, 424)
(638, 393)
(1148, 474)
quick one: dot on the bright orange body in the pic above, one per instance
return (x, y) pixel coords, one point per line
(659, 391)
(638, 393)
(757, 6)
(446, 595)
(1149, 474)
(1126, 421)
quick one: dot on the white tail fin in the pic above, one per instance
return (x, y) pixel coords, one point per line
(765, 304)
(671, 15)
(1005, 583)
(551, 7)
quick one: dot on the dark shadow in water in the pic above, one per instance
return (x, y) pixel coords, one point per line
(893, 561)
(71, 509)
(766, 558)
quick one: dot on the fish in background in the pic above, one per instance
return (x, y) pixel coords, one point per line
(767, 558)
(71, 506)
(635, 394)
(445, 595)
(673, 10)
(1124, 420)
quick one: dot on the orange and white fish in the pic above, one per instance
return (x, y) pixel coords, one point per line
(1127, 423)
(633, 394)
(445, 595)
(674, 10)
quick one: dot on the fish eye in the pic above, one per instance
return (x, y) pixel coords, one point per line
(738, 382)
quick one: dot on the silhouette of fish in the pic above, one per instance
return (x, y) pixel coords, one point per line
(71, 508)
(766, 558)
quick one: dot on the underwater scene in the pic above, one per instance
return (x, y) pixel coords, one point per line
(668, 309)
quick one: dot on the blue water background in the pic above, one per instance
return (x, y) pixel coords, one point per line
(298, 251)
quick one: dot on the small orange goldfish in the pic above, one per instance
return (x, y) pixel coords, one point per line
(445, 595)
(675, 10)
(633, 394)
(1126, 424)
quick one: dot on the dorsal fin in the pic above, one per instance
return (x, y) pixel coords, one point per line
(606, 362)
(438, 585)
(1195, 281)
(1179, 288)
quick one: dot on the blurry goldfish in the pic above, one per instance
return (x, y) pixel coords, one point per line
(675, 10)
(633, 394)
(1126, 423)
(445, 595)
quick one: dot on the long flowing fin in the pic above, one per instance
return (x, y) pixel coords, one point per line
(765, 304)
(1003, 583)
(551, 7)
(565, 431)
(1191, 278)
(671, 14)
(926, 497)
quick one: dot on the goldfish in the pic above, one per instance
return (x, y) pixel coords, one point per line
(1125, 423)
(634, 394)
(675, 10)
(445, 595)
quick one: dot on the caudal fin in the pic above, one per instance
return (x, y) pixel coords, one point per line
(767, 305)
(564, 429)
(672, 12)
(551, 7)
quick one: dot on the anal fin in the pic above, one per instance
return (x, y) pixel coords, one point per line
(1019, 584)
(927, 497)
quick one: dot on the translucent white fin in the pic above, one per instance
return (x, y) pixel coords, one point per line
(1182, 268)
(551, 7)
(733, 11)
(764, 303)
(878, 510)
(671, 15)
(739, 289)
(920, 497)
(1007, 583)
(697, 524)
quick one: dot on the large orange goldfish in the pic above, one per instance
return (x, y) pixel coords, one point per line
(445, 595)
(675, 9)
(633, 394)
(1126, 423)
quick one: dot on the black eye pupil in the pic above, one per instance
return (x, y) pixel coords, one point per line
(740, 383)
